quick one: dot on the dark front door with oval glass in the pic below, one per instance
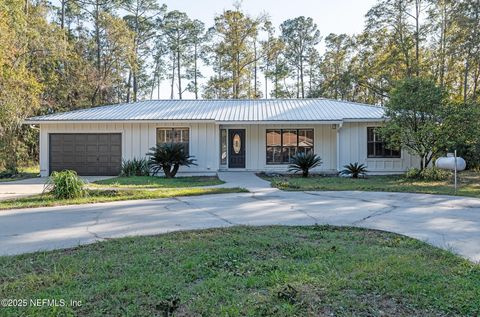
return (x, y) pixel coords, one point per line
(236, 148)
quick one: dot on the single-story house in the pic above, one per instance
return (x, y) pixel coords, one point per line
(233, 135)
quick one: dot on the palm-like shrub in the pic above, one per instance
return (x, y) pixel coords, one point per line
(65, 185)
(168, 158)
(304, 162)
(354, 170)
(135, 167)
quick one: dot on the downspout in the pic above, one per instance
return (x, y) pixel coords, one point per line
(339, 127)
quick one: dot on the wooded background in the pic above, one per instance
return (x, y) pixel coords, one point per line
(85, 53)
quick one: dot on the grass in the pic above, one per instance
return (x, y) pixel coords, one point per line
(100, 196)
(158, 182)
(24, 172)
(469, 184)
(247, 271)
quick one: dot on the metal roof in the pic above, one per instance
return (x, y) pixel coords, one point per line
(240, 110)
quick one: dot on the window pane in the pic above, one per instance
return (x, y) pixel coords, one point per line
(274, 155)
(305, 150)
(223, 146)
(161, 136)
(289, 137)
(169, 135)
(273, 138)
(305, 137)
(395, 153)
(288, 152)
(370, 134)
(184, 135)
(379, 149)
(370, 149)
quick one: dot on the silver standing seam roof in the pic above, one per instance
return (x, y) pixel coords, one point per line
(240, 110)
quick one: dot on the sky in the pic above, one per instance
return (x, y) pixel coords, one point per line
(331, 16)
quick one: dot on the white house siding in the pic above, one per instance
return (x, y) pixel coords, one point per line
(324, 145)
(353, 148)
(138, 138)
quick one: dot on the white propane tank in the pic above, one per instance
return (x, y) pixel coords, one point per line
(448, 162)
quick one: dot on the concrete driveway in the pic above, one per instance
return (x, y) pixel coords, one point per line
(448, 222)
(31, 186)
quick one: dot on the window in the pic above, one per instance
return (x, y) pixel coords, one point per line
(282, 144)
(223, 146)
(174, 135)
(376, 147)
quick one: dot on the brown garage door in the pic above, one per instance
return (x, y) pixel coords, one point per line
(88, 154)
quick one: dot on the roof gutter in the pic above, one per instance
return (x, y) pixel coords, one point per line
(112, 121)
(218, 122)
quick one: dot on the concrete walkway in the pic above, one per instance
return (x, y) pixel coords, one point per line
(448, 222)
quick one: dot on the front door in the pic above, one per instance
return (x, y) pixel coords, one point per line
(236, 148)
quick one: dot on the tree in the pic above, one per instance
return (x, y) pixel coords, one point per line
(178, 29)
(235, 52)
(422, 121)
(299, 35)
(141, 21)
(337, 81)
(198, 40)
(19, 88)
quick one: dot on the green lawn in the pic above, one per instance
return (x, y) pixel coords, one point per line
(469, 184)
(248, 271)
(24, 172)
(100, 196)
(158, 182)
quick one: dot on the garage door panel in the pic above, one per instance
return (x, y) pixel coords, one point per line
(80, 138)
(104, 148)
(103, 159)
(80, 159)
(115, 160)
(87, 154)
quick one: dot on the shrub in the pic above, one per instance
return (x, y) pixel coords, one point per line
(428, 174)
(168, 157)
(8, 174)
(302, 162)
(412, 173)
(135, 167)
(65, 185)
(354, 170)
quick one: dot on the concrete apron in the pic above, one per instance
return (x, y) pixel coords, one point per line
(448, 222)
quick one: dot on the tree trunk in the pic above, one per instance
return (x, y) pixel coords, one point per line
(195, 72)
(465, 80)
(255, 70)
(301, 77)
(97, 35)
(62, 14)
(179, 75)
(129, 83)
(135, 85)
(417, 37)
(173, 77)
(443, 42)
